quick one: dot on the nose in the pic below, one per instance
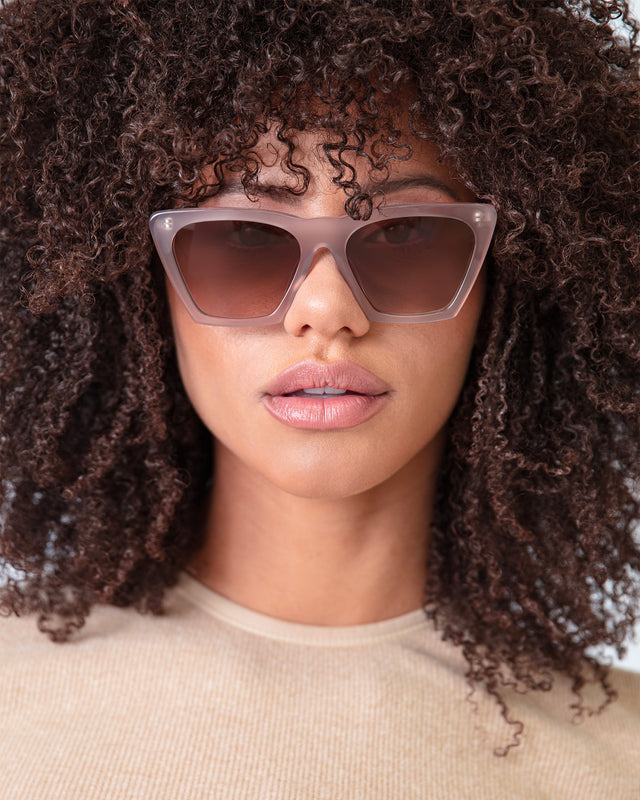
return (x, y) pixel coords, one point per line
(324, 303)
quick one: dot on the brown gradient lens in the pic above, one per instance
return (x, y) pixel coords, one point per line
(411, 265)
(236, 269)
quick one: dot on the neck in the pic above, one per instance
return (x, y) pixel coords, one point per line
(317, 561)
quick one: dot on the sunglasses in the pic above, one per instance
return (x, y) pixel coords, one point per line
(404, 264)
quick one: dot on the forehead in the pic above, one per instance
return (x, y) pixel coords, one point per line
(303, 162)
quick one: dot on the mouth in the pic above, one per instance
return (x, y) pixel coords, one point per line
(331, 396)
(326, 392)
(334, 379)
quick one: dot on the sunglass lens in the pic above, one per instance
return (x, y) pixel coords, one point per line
(236, 269)
(411, 265)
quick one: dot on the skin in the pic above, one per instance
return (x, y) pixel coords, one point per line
(325, 527)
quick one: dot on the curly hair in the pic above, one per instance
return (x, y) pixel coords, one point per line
(113, 109)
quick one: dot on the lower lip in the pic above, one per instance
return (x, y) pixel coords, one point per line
(325, 413)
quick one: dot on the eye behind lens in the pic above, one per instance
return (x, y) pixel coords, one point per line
(256, 235)
(411, 265)
(236, 269)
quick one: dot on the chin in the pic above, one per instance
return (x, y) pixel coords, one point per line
(329, 480)
(330, 490)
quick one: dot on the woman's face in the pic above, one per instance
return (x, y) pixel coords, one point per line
(237, 377)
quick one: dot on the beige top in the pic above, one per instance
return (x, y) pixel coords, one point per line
(217, 701)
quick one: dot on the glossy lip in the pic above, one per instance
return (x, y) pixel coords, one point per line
(331, 412)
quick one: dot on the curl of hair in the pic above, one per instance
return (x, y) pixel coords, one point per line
(110, 110)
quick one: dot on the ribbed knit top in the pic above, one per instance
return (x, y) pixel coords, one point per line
(213, 700)
(292, 632)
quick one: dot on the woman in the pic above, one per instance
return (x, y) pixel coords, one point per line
(321, 409)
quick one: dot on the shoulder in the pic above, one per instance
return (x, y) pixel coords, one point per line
(627, 687)
(567, 730)
(590, 709)
(108, 633)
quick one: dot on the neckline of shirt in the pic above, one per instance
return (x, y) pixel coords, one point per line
(261, 624)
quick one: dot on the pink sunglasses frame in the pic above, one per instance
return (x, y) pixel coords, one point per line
(317, 233)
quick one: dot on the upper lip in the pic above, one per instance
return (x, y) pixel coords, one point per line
(340, 374)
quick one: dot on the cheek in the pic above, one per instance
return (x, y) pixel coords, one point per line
(430, 386)
(222, 369)
(439, 356)
(201, 358)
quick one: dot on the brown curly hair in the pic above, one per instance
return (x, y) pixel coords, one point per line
(111, 109)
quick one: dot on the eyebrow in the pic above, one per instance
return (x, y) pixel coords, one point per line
(386, 187)
(264, 189)
(415, 180)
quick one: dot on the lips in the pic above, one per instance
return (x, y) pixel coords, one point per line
(345, 375)
(365, 395)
